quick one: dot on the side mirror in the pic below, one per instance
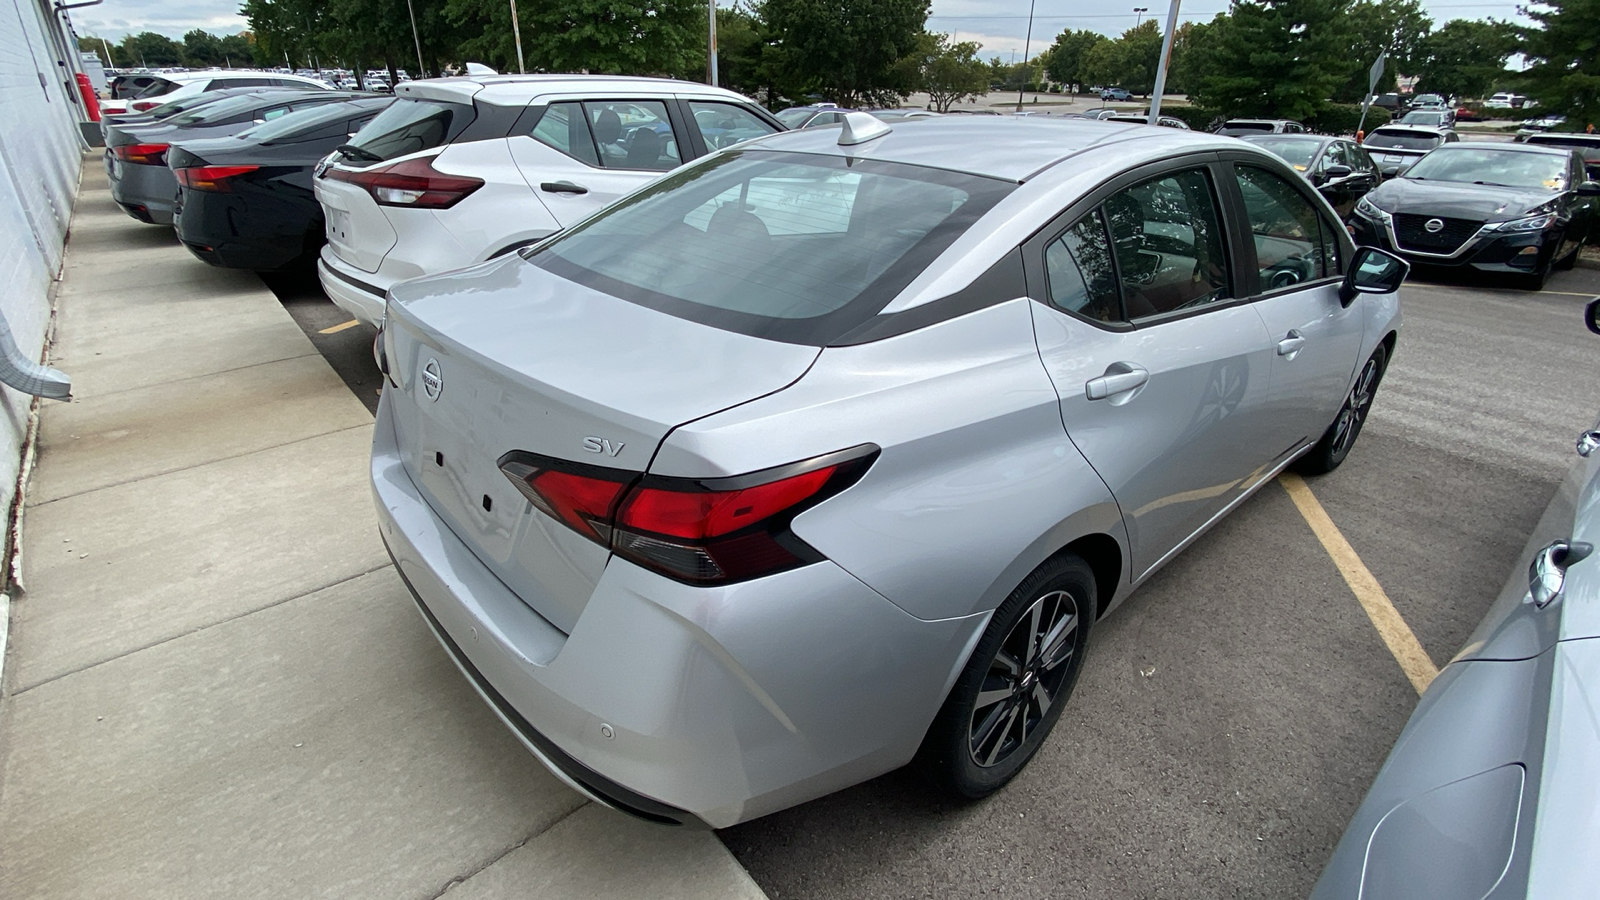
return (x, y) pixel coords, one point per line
(1373, 271)
(1591, 315)
(1589, 189)
(1338, 172)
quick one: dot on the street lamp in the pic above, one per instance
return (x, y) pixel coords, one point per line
(1027, 45)
(1138, 14)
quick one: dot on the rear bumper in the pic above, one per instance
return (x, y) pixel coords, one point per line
(697, 705)
(232, 232)
(150, 189)
(351, 289)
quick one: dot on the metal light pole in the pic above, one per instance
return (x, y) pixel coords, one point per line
(422, 72)
(1161, 70)
(711, 44)
(1138, 15)
(516, 31)
(1027, 44)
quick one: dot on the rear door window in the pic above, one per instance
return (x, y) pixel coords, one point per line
(633, 134)
(1082, 278)
(563, 127)
(409, 126)
(725, 124)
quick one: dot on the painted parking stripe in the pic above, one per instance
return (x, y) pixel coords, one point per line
(1391, 627)
(340, 327)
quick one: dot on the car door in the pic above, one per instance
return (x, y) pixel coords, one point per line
(579, 154)
(1162, 375)
(1293, 252)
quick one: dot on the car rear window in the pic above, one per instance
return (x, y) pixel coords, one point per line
(300, 121)
(1385, 139)
(1296, 151)
(798, 248)
(408, 126)
(1247, 127)
(156, 88)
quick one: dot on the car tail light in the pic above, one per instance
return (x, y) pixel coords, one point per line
(143, 105)
(211, 178)
(142, 154)
(699, 531)
(414, 182)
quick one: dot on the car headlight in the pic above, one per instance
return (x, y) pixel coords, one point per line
(1367, 208)
(1528, 223)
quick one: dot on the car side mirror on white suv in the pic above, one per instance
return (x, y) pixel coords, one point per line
(1373, 271)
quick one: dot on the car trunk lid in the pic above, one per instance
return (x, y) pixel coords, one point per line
(508, 356)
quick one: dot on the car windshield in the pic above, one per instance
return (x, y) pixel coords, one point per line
(798, 248)
(222, 109)
(1488, 165)
(1422, 117)
(297, 122)
(1296, 151)
(1396, 139)
(156, 89)
(408, 126)
(792, 117)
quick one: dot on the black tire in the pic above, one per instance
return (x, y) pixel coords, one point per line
(1534, 281)
(1571, 259)
(1335, 444)
(981, 740)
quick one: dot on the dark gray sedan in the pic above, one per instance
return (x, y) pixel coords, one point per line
(136, 156)
(1342, 172)
(1491, 790)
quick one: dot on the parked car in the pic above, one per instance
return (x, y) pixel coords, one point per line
(1505, 100)
(460, 171)
(1433, 117)
(173, 107)
(1242, 127)
(890, 115)
(1391, 102)
(1541, 124)
(246, 201)
(814, 116)
(672, 486)
(1490, 789)
(1468, 114)
(1163, 121)
(136, 155)
(176, 85)
(1340, 169)
(1427, 101)
(1119, 94)
(1524, 209)
(1396, 147)
(1102, 113)
(1587, 145)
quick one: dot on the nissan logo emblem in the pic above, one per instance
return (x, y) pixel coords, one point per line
(1434, 226)
(432, 380)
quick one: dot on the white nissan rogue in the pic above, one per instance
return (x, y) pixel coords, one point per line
(461, 170)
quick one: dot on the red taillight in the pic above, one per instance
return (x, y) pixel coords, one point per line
(142, 105)
(414, 183)
(701, 531)
(211, 178)
(142, 154)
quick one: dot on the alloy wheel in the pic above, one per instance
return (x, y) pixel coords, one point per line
(1024, 678)
(1356, 407)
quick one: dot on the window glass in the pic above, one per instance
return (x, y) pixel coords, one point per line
(407, 126)
(633, 134)
(1283, 223)
(791, 247)
(564, 128)
(1299, 152)
(793, 116)
(1168, 244)
(1488, 164)
(1078, 266)
(726, 124)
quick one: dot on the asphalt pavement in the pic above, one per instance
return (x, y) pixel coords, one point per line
(1232, 713)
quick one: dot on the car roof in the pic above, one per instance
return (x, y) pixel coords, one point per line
(1012, 148)
(519, 90)
(1264, 121)
(1408, 128)
(1562, 138)
(1291, 136)
(191, 77)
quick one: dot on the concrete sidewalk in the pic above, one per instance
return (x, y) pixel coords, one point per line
(216, 686)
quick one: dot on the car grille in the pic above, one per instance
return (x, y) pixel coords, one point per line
(1408, 228)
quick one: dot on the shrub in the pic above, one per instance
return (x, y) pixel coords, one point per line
(1195, 117)
(1343, 118)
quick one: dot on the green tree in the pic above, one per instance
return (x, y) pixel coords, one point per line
(201, 49)
(1565, 56)
(851, 50)
(237, 49)
(1129, 61)
(149, 49)
(1272, 58)
(949, 73)
(97, 46)
(748, 60)
(1064, 60)
(1465, 57)
(1372, 27)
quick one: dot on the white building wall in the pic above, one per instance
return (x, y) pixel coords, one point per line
(41, 153)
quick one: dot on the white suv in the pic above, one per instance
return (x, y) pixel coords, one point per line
(171, 86)
(461, 170)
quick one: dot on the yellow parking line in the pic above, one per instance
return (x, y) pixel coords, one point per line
(340, 327)
(1391, 627)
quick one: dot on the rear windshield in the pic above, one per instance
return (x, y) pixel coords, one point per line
(300, 121)
(792, 247)
(156, 88)
(216, 112)
(1423, 117)
(408, 126)
(1296, 151)
(1384, 139)
(1247, 128)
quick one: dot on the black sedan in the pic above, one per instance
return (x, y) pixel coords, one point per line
(246, 202)
(1517, 208)
(1338, 167)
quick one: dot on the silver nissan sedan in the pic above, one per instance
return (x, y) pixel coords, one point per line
(823, 454)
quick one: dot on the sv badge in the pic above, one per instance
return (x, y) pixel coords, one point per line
(602, 445)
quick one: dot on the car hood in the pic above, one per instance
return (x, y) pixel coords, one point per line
(1480, 202)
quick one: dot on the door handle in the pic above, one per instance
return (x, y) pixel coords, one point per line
(563, 187)
(1119, 379)
(1291, 344)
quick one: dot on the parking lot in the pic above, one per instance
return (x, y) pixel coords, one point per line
(1234, 710)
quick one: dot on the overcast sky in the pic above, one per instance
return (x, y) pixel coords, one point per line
(999, 25)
